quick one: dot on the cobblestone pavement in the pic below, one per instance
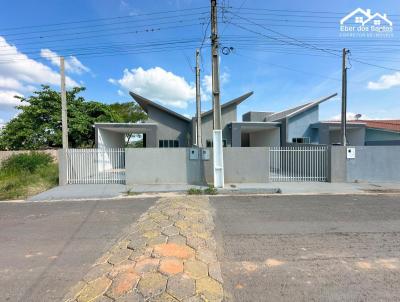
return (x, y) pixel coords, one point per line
(168, 255)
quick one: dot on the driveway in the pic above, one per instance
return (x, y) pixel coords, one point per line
(309, 248)
(47, 247)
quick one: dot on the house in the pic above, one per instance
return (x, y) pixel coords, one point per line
(357, 16)
(360, 132)
(377, 20)
(299, 125)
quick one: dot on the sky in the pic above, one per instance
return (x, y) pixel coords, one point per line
(287, 52)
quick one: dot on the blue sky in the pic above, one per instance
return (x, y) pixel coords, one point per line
(112, 46)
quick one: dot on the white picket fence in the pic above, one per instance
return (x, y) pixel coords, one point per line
(96, 166)
(300, 164)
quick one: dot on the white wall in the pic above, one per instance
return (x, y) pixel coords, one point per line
(110, 139)
(265, 138)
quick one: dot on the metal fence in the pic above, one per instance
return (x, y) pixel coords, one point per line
(96, 166)
(304, 164)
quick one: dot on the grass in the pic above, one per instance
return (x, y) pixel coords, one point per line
(211, 190)
(24, 175)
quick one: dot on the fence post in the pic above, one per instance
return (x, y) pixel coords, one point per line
(62, 167)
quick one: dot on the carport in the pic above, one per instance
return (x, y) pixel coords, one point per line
(255, 134)
(112, 135)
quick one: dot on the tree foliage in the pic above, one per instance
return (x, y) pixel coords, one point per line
(38, 125)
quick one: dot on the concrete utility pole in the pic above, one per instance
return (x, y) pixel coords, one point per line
(63, 105)
(217, 132)
(344, 98)
(198, 100)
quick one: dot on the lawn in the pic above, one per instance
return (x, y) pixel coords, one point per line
(24, 175)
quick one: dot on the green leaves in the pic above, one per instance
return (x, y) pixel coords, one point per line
(38, 125)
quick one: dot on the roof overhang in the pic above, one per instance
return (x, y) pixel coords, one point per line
(126, 127)
(336, 125)
(247, 127)
(236, 102)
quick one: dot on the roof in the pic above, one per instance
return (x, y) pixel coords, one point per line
(298, 109)
(391, 125)
(145, 103)
(236, 102)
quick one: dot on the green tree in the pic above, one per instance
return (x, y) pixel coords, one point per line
(38, 125)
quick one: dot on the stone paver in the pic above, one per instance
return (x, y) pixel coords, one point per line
(169, 254)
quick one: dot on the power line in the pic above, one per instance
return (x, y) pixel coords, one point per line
(101, 19)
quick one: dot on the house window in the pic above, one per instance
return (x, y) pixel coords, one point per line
(209, 143)
(377, 22)
(168, 143)
(301, 140)
(359, 19)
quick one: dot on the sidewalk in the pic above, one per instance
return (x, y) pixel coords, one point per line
(108, 191)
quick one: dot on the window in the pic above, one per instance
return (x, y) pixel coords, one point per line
(359, 19)
(168, 143)
(209, 143)
(301, 140)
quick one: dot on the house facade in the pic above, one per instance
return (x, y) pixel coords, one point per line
(299, 125)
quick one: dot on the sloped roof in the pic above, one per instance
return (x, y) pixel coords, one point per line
(236, 102)
(392, 125)
(144, 103)
(296, 110)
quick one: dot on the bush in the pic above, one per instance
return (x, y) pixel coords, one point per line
(26, 162)
(211, 190)
(194, 191)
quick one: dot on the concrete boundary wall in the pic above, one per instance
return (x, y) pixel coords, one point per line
(374, 163)
(174, 166)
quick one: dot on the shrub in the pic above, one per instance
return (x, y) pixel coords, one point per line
(27, 162)
(211, 190)
(194, 191)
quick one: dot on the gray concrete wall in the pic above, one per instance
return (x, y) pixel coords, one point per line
(376, 135)
(173, 166)
(170, 127)
(337, 169)
(374, 163)
(161, 166)
(228, 115)
(265, 138)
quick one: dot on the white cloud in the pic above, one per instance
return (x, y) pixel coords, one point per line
(385, 82)
(72, 64)
(19, 67)
(7, 98)
(158, 84)
(350, 116)
(206, 82)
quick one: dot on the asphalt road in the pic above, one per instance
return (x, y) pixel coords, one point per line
(47, 247)
(309, 248)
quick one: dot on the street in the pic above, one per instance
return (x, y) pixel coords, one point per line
(47, 247)
(309, 248)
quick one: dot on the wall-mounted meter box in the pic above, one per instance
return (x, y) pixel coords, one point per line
(194, 153)
(205, 154)
(351, 153)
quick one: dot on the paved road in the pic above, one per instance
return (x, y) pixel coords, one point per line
(310, 248)
(47, 247)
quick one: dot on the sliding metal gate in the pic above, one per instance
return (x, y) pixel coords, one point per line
(304, 164)
(96, 166)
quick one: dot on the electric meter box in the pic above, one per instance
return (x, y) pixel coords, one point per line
(193, 153)
(205, 154)
(351, 153)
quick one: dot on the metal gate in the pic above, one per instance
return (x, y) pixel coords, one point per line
(304, 164)
(96, 166)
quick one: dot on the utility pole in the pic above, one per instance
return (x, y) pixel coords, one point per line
(217, 131)
(198, 100)
(344, 98)
(63, 106)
